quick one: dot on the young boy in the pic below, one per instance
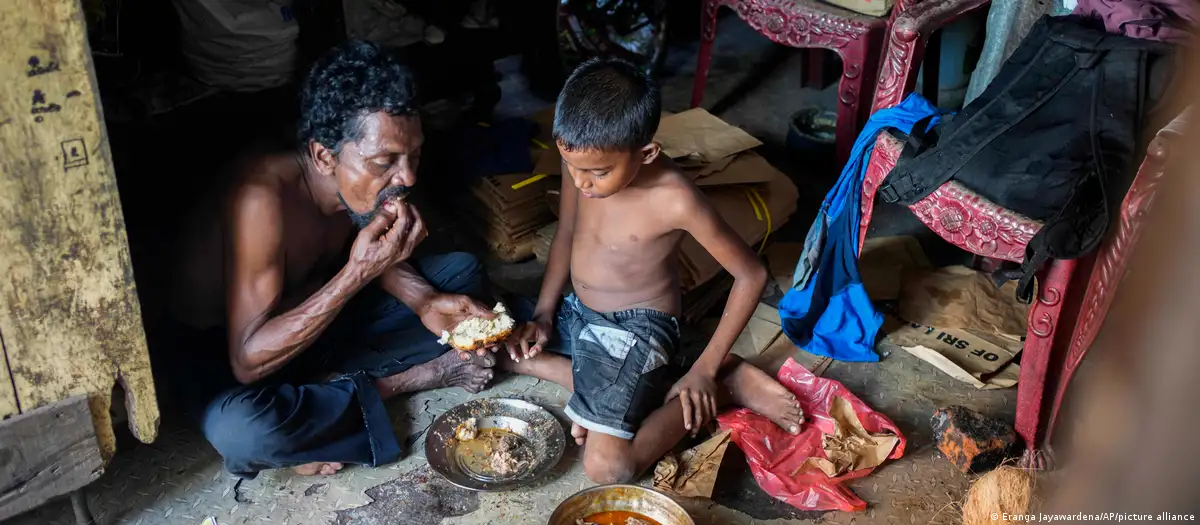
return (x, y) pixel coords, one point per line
(624, 210)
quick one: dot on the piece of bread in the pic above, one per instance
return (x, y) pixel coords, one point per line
(477, 332)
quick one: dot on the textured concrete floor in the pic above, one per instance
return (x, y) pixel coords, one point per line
(179, 478)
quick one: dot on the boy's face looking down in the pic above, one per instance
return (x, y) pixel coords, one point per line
(599, 174)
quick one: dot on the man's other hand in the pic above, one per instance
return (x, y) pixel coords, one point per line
(389, 239)
(444, 311)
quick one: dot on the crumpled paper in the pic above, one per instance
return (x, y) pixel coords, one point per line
(694, 473)
(850, 447)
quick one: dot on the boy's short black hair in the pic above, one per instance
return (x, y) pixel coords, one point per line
(609, 105)
(353, 80)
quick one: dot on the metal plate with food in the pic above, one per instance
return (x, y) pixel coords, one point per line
(494, 444)
(619, 505)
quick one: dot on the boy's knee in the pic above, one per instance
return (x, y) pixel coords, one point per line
(609, 469)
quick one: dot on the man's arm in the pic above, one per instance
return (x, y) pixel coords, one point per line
(260, 344)
(406, 284)
(558, 263)
(696, 215)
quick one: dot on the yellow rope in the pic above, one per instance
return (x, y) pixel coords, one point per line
(529, 181)
(760, 210)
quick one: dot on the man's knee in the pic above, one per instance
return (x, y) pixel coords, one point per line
(456, 272)
(608, 468)
(243, 426)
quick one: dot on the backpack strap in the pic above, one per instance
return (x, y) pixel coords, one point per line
(920, 138)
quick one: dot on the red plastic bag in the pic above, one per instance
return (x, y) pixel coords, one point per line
(775, 456)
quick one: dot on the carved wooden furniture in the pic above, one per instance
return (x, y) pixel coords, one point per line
(70, 321)
(857, 38)
(1073, 296)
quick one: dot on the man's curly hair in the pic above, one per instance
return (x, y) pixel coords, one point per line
(353, 80)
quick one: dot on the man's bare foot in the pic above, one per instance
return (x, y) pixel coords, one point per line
(754, 389)
(447, 370)
(472, 375)
(579, 433)
(312, 469)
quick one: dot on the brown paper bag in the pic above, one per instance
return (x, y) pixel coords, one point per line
(694, 473)
(957, 297)
(885, 261)
(850, 447)
(979, 359)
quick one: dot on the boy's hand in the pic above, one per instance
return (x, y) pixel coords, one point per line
(697, 392)
(536, 331)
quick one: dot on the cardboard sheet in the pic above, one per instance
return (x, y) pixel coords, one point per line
(696, 137)
(781, 262)
(734, 206)
(760, 332)
(692, 474)
(745, 168)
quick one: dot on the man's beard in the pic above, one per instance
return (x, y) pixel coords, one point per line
(361, 220)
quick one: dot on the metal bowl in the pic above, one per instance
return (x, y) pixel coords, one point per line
(538, 429)
(630, 498)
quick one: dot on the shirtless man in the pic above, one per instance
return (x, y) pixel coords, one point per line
(283, 345)
(624, 209)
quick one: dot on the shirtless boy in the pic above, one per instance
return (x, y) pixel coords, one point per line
(624, 211)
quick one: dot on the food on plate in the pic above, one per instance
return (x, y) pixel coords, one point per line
(477, 332)
(466, 430)
(508, 455)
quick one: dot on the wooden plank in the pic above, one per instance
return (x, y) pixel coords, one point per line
(8, 395)
(46, 453)
(68, 305)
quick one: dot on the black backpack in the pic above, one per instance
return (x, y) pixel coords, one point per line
(1056, 136)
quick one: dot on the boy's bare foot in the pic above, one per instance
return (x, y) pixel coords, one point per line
(312, 469)
(579, 433)
(754, 389)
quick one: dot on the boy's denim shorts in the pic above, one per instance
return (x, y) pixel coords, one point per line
(621, 364)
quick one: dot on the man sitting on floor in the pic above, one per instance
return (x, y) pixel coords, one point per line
(283, 346)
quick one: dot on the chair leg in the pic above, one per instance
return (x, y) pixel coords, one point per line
(1035, 363)
(932, 68)
(1109, 267)
(855, 90)
(708, 33)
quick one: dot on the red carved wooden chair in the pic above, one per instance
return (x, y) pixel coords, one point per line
(1073, 296)
(812, 24)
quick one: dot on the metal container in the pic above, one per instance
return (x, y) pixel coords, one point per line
(630, 498)
(536, 426)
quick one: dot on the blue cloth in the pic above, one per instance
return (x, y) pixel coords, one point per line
(293, 416)
(827, 311)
